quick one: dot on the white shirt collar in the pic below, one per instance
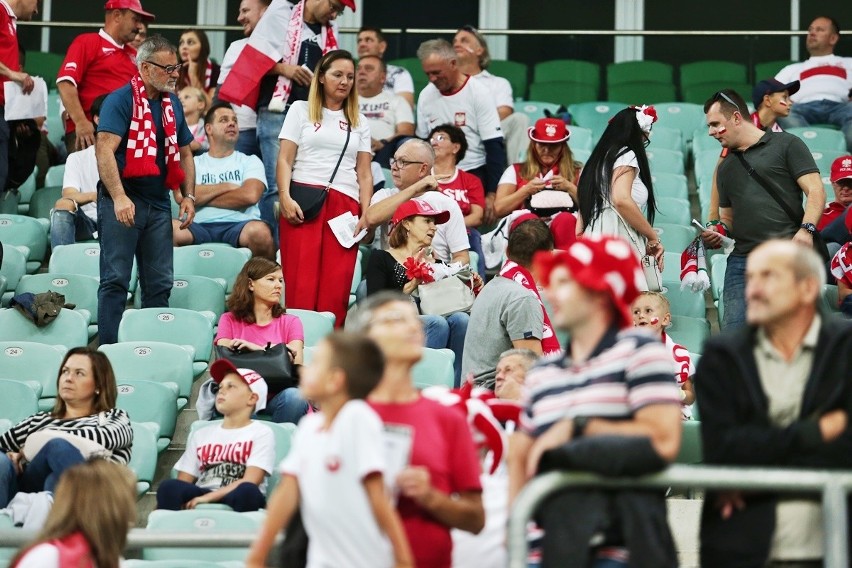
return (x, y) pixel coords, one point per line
(107, 37)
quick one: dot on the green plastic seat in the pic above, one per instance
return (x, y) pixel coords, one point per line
(664, 138)
(673, 211)
(69, 329)
(44, 64)
(84, 258)
(662, 160)
(637, 71)
(55, 175)
(147, 401)
(829, 299)
(153, 361)
(824, 159)
(513, 71)
(171, 325)
(691, 449)
(26, 192)
(535, 109)
(9, 201)
(356, 279)
(574, 70)
(685, 302)
(208, 522)
(702, 142)
(718, 264)
(671, 268)
(211, 261)
(642, 92)
(193, 292)
(689, 332)
(316, 324)
(768, 69)
(78, 289)
(563, 92)
(686, 117)
(722, 72)
(820, 139)
(55, 124)
(434, 369)
(43, 201)
(20, 230)
(705, 162)
(581, 138)
(19, 400)
(594, 114)
(13, 268)
(143, 455)
(670, 185)
(675, 238)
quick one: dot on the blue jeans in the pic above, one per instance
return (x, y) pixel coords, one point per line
(150, 241)
(8, 481)
(474, 237)
(822, 112)
(173, 494)
(66, 228)
(447, 333)
(247, 142)
(734, 293)
(286, 406)
(268, 128)
(43, 473)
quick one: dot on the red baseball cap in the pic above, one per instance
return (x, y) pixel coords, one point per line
(349, 4)
(841, 168)
(222, 368)
(132, 5)
(549, 131)
(415, 207)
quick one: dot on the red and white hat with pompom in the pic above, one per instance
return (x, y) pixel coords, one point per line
(646, 116)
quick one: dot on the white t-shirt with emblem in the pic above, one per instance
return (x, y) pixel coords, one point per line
(384, 112)
(499, 87)
(398, 80)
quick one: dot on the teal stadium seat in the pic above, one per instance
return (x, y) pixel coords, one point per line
(581, 138)
(26, 192)
(675, 238)
(69, 329)
(666, 138)
(43, 201)
(535, 109)
(31, 361)
(208, 522)
(147, 401)
(703, 142)
(83, 258)
(435, 368)
(686, 117)
(55, 124)
(356, 279)
(821, 139)
(673, 211)
(316, 324)
(19, 400)
(20, 230)
(691, 449)
(143, 455)
(661, 161)
(594, 115)
(685, 302)
(823, 159)
(155, 361)
(9, 201)
(671, 268)
(171, 325)
(55, 175)
(829, 299)
(14, 267)
(689, 332)
(670, 185)
(192, 292)
(78, 289)
(212, 261)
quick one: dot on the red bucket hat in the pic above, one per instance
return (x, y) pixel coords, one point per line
(601, 264)
(414, 207)
(549, 131)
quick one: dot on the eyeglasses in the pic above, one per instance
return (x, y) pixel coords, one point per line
(167, 68)
(469, 29)
(722, 95)
(439, 138)
(336, 8)
(400, 163)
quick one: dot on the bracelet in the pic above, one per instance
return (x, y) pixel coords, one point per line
(191, 196)
(718, 224)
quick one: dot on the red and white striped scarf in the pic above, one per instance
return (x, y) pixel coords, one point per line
(208, 74)
(841, 264)
(141, 155)
(517, 273)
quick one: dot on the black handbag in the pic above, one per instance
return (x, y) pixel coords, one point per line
(312, 197)
(273, 363)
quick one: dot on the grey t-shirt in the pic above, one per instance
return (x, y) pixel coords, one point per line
(504, 311)
(780, 158)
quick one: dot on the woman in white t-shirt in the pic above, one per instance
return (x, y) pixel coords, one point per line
(317, 134)
(93, 508)
(615, 191)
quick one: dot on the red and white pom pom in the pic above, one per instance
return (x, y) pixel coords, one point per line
(693, 267)
(646, 116)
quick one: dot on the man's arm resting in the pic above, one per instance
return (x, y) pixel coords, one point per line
(661, 423)
(404, 129)
(234, 197)
(495, 162)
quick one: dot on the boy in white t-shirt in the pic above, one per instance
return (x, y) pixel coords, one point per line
(226, 463)
(651, 310)
(334, 471)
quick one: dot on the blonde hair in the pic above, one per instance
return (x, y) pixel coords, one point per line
(660, 297)
(96, 498)
(316, 95)
(199, 94)
(567, 166)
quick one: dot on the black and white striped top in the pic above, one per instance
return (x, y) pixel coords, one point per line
(111, 429)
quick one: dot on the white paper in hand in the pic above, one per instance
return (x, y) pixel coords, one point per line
(20, 106)
(343, 227)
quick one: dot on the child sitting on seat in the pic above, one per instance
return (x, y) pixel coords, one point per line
(651, 310)
(334, 472)
(226, 463)
(194, 104)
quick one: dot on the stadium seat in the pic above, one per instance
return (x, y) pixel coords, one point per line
(147, 401)
(13, 268)
(434, 369)
(665, 161)
(718, 263)
(667, 138)
(685, 302)
(670, 185)
(33, 361)
(514, 72)
(20, 230)
(316, 324)
(691, 451)
(69, 329)
(594, 115)
(769, 69)
(356, 279)
(702, 142)
(689, 332)
(171, 325)
(55, 124)
(9, 201)
(192, 292)
(673, 211)
(55, 175)
(574, 70)
(534, 109)
(823, 159)
(5, 424)
(581, 138)
(78, 289)
(19, 400)
(43, 201)
(211, 261)
(821, 139)
(179, 563)
(632, 71)
(720, 72)
(700, 92)
(563, 92)
(685, 117)
(671, 268)
(203, 522)
(641, 92)
(27, 190)
(44, 64)
(153, 361)
(705, 162)
(675, 238)
(829, 299)
(413, 65)
(143, 455)
(83, 258)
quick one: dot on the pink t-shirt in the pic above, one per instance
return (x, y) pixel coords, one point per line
(283, 329)
(444, 445)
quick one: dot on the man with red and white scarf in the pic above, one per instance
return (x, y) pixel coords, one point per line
(143, 153)
(274, 70)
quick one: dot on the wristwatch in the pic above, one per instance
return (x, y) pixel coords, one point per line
(809, 227)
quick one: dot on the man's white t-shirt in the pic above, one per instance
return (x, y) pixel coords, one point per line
(246, 116)
(398, 80)
(81, 173)
(236, 169)
(822, 78)
(450, 237)
(499, 87)
(330, 465)
(320, 145)
(471, 108)
(384, 112)
(218, 456)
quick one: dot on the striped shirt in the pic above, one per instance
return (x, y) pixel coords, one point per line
(627, 371)
(111, 429)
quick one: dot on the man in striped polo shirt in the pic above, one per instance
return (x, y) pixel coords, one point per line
(612, 394)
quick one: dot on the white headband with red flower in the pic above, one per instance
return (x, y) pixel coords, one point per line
(646, 116)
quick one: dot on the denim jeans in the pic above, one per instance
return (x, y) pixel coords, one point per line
(8, 480)
(474, 237)
(268, 128)
(822, 112)
(42, 474)
(66, 228)
(733, 294)
(173, 494)
(247, 142)
(286, 406)
(150, 241)
(447, 333)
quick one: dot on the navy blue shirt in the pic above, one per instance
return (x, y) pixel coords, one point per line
(115, 116)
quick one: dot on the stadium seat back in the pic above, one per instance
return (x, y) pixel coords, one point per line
(316, 324)
(69, 329)
(33, 362)
(211, 261)
(83, 258)
(821, 139)
(143, 455)
(689, 332)
(563, 92)
(203, 522)
(641, 92)
(43, 201)
(663, 161)
(535, 109)
(594, 115)
(670, 185)
(768, 69)
(513, 71)
(193, 292)
(675, 238)
(685, 302)
(574, 70)
(667, 138)
(171, 325)
(13, 269)
(673, 211)
(78, 289)
(19, 400)
(147, 401)
(20, 230)
(155, 361)
(686, 117)
(639, 71)
(435, 368)
(55, 175)
(721, 72)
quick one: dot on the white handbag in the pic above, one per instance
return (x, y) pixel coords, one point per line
(653, 278)
(448, 295)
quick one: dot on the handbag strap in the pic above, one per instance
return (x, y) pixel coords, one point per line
(340, 158)
(642, 252)
(767, 187)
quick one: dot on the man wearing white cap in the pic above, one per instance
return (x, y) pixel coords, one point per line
(226, 463)
(98, 63)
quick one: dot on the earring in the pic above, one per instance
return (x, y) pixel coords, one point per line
(97, 392)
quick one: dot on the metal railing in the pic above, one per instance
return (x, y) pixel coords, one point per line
(834, 486)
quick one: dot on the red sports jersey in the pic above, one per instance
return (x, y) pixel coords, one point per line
(8, 44)
(466, 189)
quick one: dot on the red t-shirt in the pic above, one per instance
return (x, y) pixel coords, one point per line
(444, 445)
(8, 44)
(466, 189)
(96, 65)
(831, 212)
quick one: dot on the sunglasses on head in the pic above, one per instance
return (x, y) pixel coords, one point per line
(722, 95)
